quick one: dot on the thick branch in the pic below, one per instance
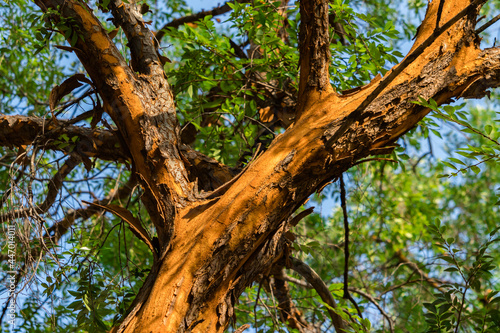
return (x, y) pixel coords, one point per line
(314, 48)
(143, 50)
(417, 50)
(16, 131)
(141, 106)
(229, 231)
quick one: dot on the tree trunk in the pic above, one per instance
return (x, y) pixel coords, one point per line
(213, 245)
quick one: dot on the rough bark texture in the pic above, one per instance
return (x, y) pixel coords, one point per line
(212, 247)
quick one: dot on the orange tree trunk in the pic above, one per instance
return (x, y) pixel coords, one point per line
(211, 246)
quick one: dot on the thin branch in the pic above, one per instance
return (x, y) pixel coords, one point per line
(298, 282)
(321, 288)
(346, 236)
(53, 188)
(488, 24)
(375, 159)
(374, 302)
(392, 288)
(347, 295)
(414, 267)
(58, 229)
(22, 130)
(242, 328)
(61, 227)
(196, 17)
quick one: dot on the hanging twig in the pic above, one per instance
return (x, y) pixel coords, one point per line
(346, 247)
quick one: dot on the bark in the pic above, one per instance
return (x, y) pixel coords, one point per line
(213, 246)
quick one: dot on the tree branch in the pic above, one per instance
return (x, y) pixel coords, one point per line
(414, 267)
(343, 204)
(488, 24)
(53, 188)
(374, 302)
(289, 314)
(143, 49)
(196, 17)
(17, 131)
(22, 130)
(61, 227)
(416, 51)
(315, 280)
(314, 48)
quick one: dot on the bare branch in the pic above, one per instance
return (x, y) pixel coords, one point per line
(346, 246)
(414, 267)
(103, 144)
(298, 282)
(61, 227)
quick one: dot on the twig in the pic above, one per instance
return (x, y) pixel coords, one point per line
(54, 186)
(375, 159)
(374, 302)
(256, 303)
(242, 328)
